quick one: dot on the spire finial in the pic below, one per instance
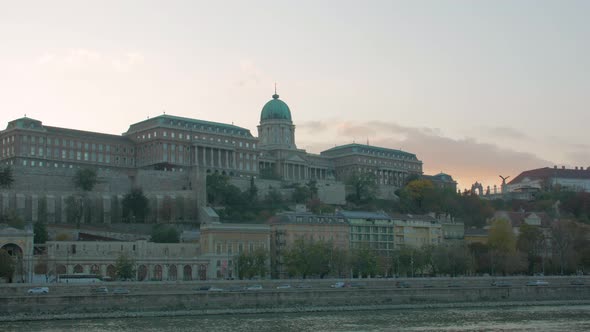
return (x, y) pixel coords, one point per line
(275, 96)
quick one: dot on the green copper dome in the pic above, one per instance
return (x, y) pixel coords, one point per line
(275, 109)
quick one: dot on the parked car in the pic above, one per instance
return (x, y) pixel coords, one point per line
(339, 284)
(235, 289)
(120, 290)
(254, 287)
(38, 290)
(402, 284)
(501, 283)
(215, 289)
(100, 290)
(537, 283)
(454, 285)
(577, 282)
(284, 286)
(203, 288)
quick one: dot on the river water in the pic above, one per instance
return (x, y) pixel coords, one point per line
(574, 318)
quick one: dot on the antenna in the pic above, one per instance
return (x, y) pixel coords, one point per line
(275, 88)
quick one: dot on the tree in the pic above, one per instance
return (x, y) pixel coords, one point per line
(364, 262)
(252, 264)
(40, 231)
(502, 242)
(74, 209)
(135, 206)
(164, 234)
(301, 194)
(13, 220)
(6, 177)
(417, 191)
(85, 179)
(7, 265)
(563, 234)
(530, 242)
(125, 267)
(363, 186)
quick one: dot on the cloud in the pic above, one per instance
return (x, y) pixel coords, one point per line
(250, 74)
(466, 159)
(312, 126)
(81, 58)
(505, 132)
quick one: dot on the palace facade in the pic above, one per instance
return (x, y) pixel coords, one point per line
(174, 143)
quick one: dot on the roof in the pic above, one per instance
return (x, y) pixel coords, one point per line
(516, 219)
(359, 148)
(548, 172)
(364, 215)
(442, 177)
(275, 109)
(188, 123)
(407, 217)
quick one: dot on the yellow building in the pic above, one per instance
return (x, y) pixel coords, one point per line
(416, 230)
(221, 244)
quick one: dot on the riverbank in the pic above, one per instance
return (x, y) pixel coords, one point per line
(251, 311)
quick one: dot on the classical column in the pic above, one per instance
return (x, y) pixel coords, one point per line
(212, 159)
(196, 155)
(204, 156)
(219, 158)
(227, 159)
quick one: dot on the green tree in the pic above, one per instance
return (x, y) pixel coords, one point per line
(530, 242)
(85, 179)
(418, 191)
(164, 234)
(6, 177)
(7, 265)
(74, 209)
(125, 267)
(301, 194)
(363, 185)
(364, 262)
(135, 206)
(40, 231)
(252, 264)
(502, 243)
(13, 220)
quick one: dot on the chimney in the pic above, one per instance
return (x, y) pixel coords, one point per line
(554, 166)
(576, 168)
(562, 167)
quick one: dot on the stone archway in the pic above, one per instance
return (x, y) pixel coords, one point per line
(16, 253)
(158, 272)
(78, 268)
(172, 273)
(95, 269)
(61, 269)
(187, 273)
(203, 272)
(142, 273)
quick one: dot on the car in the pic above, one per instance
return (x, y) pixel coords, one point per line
(216, 289)
(203, 288)
(100, 290)
(577, 282)
(120, 290)
(501, 283)
(284, 286)
(339, 284)
(402, 284)
(428, 286)
(454, 285)
(254, 287)
(38, 290)
(537, 283)
(235, 289)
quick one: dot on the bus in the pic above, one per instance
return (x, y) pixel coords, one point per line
(78, 278)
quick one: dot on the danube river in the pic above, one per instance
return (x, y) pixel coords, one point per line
(525, 318)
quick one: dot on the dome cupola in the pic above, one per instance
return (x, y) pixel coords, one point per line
(275, 109)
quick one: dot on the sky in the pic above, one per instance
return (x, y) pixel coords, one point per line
(475, 89)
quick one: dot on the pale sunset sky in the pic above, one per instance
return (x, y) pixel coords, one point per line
(474, 88)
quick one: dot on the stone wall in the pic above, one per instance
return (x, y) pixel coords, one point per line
(184, 296)
(104, 208)
(330, 192)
